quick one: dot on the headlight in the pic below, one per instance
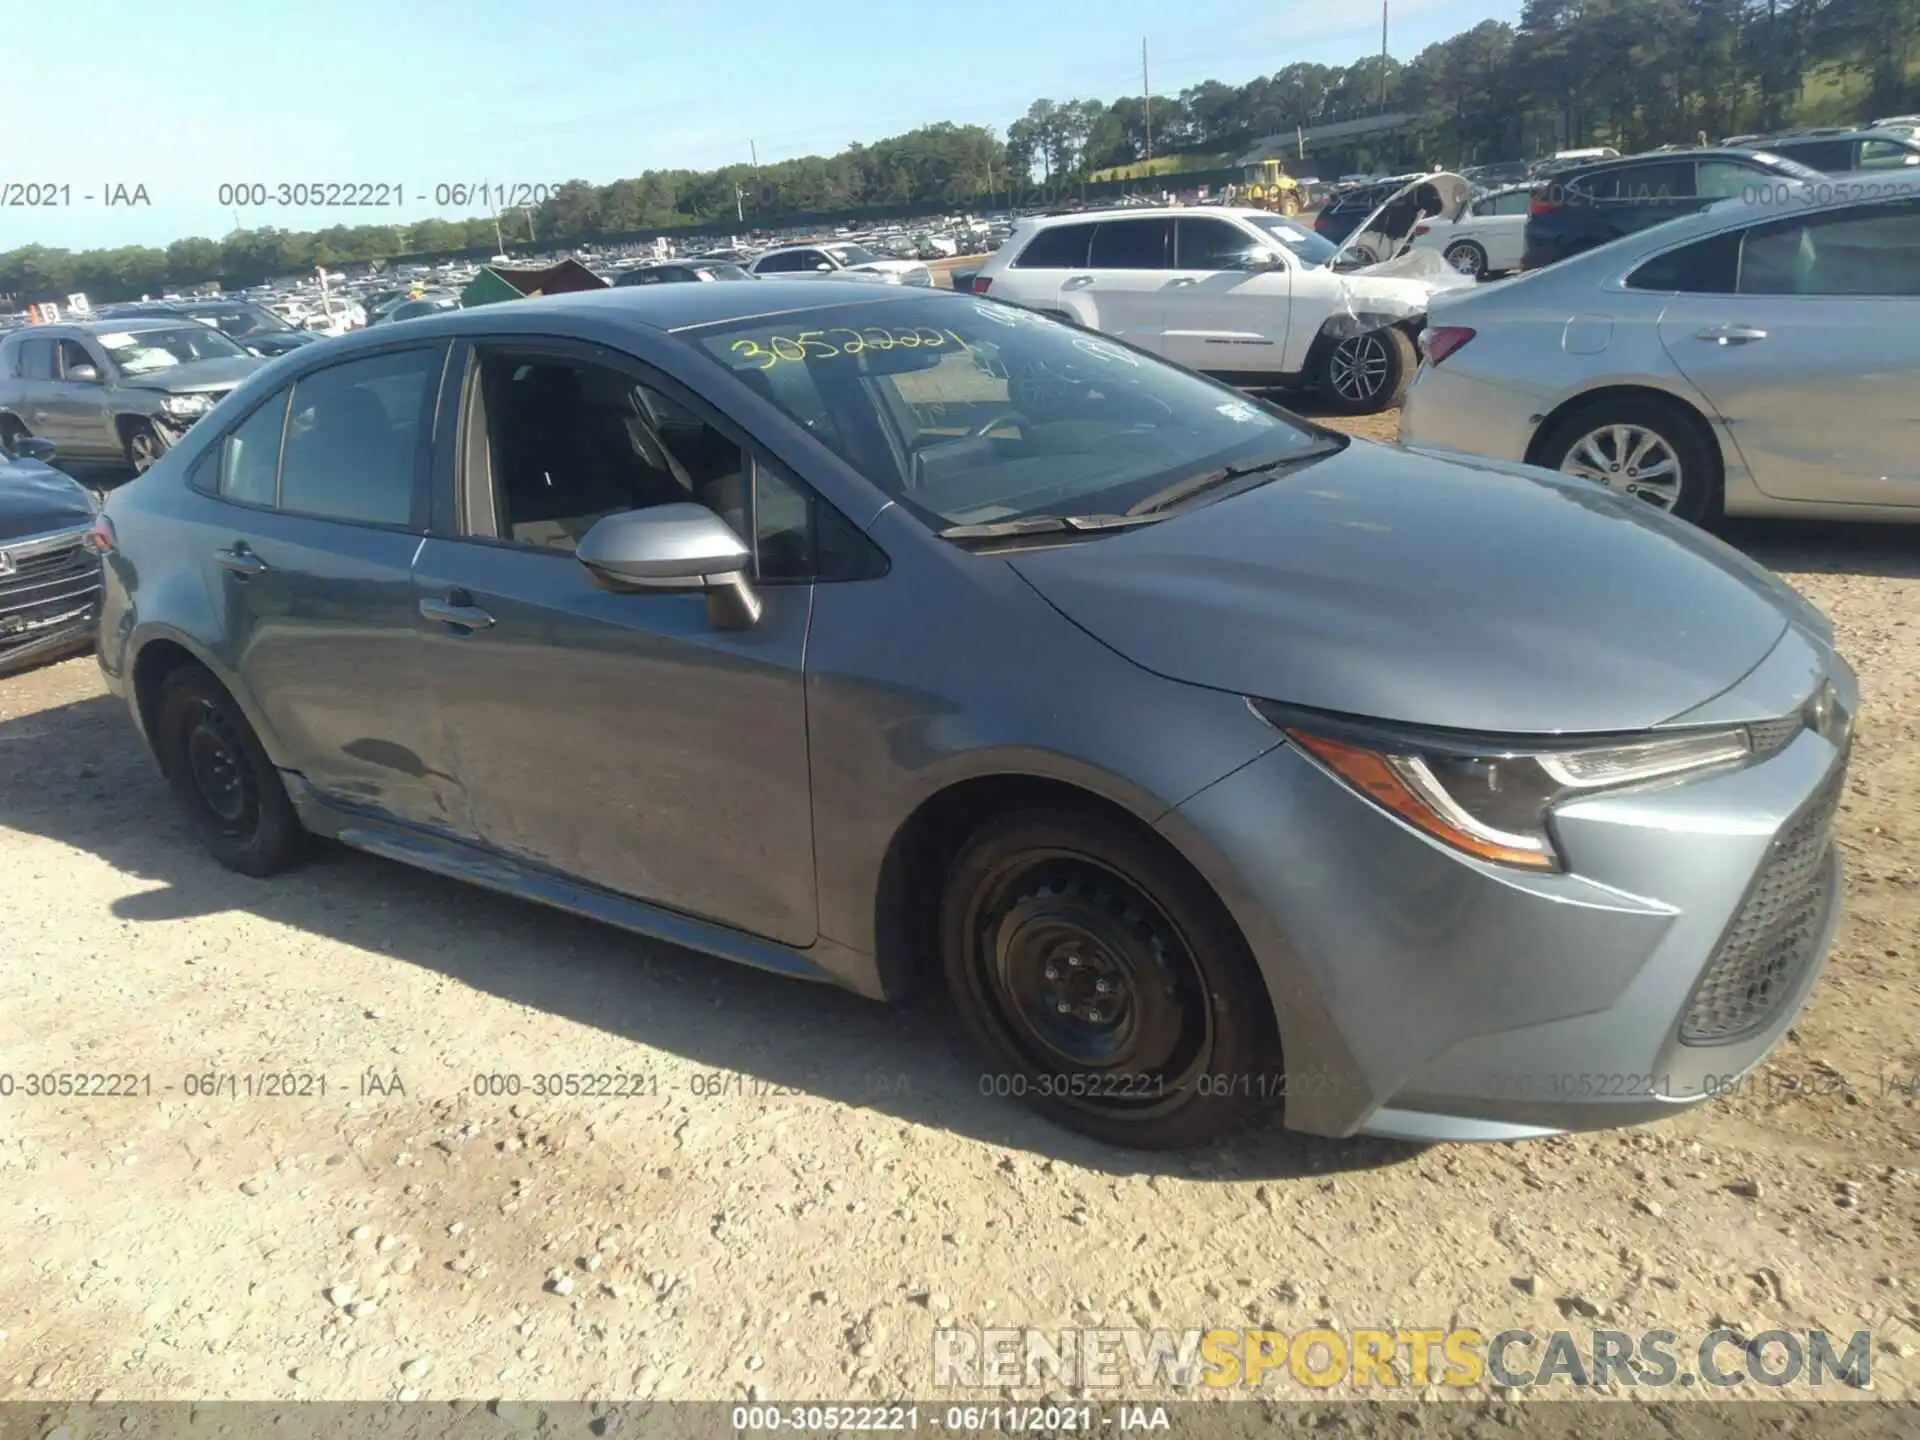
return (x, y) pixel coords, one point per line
(1493, 801)
(186, 406)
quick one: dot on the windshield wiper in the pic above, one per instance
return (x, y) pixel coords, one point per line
(1171, 495)
(1044, 525)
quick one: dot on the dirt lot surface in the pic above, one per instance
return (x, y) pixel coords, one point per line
(806, 1185)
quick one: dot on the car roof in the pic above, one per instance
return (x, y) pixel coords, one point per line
(663, 308)
(1134, 212)
(125, 325)
(1686, 152)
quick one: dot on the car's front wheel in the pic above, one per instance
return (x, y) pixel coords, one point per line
(223, 776)
(1366, 373)
(1105, 983)
(1651, 449)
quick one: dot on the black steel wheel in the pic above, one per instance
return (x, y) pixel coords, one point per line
(1105, 983)
(223, 777)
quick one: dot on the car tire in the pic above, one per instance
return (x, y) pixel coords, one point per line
(1043, 908)
(1674, 429)
(1468, 257)
(144, 445)
(222, 775)
(1365, 373)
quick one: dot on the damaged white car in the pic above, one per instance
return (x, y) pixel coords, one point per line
(1251, 297)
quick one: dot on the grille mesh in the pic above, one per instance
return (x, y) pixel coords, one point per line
(43, 590)
(1772, 938)
(1769, 735)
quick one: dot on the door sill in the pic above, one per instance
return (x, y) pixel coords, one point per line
(460, 860)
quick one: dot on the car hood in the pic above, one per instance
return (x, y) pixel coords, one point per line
(1402, 587)
(36, 498)
(195, 375)
(1450, 195)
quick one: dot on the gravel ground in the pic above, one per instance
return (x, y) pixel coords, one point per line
(806, 1185)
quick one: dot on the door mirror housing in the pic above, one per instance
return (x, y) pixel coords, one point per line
(824, 268)
(34, 447)
(1261, 260)
(674, 547)
(84, 374)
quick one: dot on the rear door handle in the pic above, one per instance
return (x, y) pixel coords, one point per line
(1181, 281)
(239, 560)
(1731, 334)
(460, 616)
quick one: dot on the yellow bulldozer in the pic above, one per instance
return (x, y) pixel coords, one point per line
(1268, 187)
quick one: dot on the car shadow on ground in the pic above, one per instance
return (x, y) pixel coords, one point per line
(1833, 547)
(77, 774)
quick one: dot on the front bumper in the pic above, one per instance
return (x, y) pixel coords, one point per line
(1428, 996)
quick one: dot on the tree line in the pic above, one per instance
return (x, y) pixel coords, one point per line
(1630, 73)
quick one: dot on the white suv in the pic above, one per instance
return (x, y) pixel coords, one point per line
(839, 260)
(1244, 295)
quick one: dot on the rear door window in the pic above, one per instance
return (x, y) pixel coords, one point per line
(1058, 247)
(356, 438)
(1130, 245)
(1664, 180)
(36, 360)
(1833, 156)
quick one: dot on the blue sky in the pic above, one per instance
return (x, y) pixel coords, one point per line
(183, 97)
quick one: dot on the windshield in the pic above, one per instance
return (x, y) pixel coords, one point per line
(969, 411)
(851, 254)
(142, 352)
(1309, 247)
(238, 320)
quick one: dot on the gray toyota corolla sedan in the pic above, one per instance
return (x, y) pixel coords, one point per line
(1206, 757)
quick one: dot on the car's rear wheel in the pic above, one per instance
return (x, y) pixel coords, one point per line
(145, 444)
(1105, 983)
(223, 777)
(1366, 373)
(1648, 448)
(1468, 258)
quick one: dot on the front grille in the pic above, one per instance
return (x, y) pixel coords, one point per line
(46, 590)
(1772, 938)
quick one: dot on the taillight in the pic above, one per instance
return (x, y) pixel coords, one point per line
(1437, 342)
(1542, 200)
(982, 284)
(99, 537)
(1420, 230)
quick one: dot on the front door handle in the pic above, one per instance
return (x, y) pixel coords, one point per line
(1731, 334)
(451, 612)
(1180, 281)
(1076, 282)
(239, 560)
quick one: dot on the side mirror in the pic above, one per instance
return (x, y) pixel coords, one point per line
(84, 374)
(34, 447)
(674, 547)
(1260, 260)
(824, 268)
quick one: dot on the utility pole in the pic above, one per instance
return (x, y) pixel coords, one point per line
(1383, 56)
(1146, 97)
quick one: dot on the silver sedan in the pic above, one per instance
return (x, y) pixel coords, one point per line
(1760, 358)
